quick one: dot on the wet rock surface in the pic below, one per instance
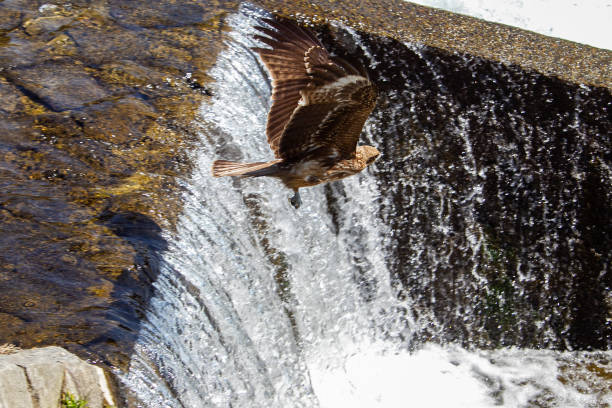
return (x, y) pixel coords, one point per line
(96, 122)
(96, 125)
(58, 86)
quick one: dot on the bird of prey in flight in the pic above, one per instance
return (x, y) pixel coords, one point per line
(320, 103)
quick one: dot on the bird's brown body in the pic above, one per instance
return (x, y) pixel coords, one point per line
(320, 104)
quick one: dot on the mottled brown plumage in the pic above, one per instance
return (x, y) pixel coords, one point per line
(319, 106)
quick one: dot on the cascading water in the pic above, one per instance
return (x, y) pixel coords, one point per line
(260, 305)
(252, 292)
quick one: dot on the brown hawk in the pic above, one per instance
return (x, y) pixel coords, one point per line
(319, 105)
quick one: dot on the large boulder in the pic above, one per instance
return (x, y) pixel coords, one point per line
(39, 378)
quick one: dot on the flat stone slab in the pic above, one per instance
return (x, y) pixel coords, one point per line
(37, 378)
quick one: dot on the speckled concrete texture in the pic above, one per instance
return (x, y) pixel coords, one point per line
(456, 33)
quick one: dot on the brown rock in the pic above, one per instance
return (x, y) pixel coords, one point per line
(43, 25)
(157, 14)
(60, 86)
(10, 97)
(9, 19)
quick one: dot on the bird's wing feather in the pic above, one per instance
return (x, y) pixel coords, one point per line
(318, 101)
(292, 48)
(328, 119)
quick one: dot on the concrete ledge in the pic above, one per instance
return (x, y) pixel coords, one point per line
(37, 378)
(404, 21)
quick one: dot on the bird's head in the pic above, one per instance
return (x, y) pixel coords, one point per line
(368, 154)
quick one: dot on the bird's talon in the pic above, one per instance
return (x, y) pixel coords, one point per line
(295, 201)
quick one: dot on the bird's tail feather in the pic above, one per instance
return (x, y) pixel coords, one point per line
(221, 168)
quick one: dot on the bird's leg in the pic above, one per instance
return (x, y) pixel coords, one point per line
(296, 201)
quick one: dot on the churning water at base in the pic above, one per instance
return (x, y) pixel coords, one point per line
(260, 305)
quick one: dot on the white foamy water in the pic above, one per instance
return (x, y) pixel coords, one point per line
(438, 376)
(586, 22)
(260, 305)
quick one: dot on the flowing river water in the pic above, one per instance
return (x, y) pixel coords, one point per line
(393, 288)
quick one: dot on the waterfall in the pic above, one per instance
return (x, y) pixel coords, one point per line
(261, 305)
(252, 291)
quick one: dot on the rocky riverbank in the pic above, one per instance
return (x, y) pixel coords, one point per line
(97, 124)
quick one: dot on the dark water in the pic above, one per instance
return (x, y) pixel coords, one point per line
(500, 181)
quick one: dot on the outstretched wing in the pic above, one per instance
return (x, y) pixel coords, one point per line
(291, 46)
(319, 102)
(328, 120)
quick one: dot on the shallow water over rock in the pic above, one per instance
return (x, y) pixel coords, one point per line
(95, 120)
